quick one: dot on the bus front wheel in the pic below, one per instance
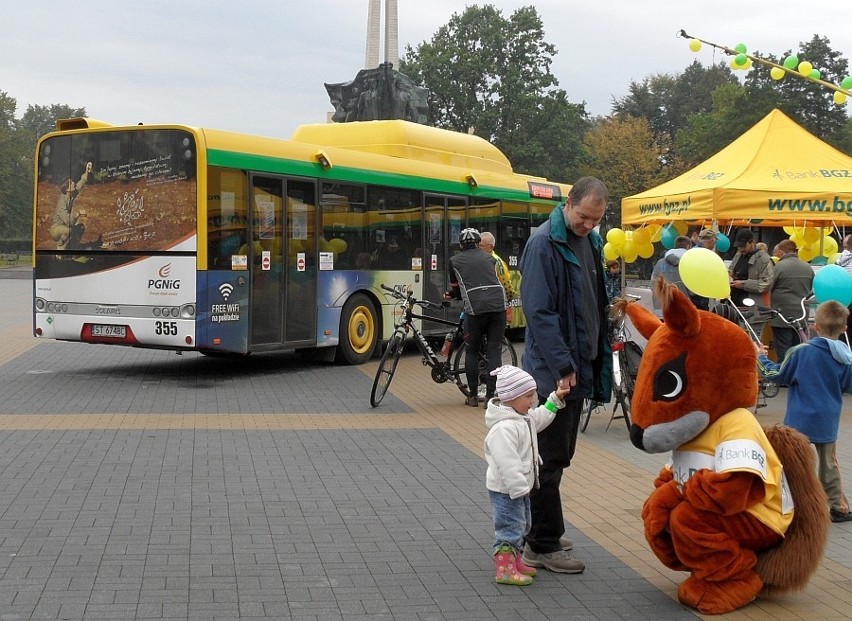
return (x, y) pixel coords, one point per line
(358, 330)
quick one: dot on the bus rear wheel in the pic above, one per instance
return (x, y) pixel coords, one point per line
(358, 330)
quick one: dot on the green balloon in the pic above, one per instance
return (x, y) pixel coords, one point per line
(741, 48)
(815, 74)
(741, 59)
(847, 82)
(791, 62)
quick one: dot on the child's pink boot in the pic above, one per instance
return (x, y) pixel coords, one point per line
(506, 570)
(523, 568)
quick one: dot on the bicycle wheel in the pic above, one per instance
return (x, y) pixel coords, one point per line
(769, 389)
(586, 414)
(508, 355)
(387, 367)
(626, 389)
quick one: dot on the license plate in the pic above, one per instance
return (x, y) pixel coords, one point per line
(109, 331)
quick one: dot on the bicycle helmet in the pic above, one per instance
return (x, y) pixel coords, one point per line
(469, 238)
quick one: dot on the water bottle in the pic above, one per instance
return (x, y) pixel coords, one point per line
(448, 345)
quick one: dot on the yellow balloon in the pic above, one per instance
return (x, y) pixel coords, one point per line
(704, 273)
(805, 68)
(656, 232)
(833, 258)
(807, 252)
(694, 45)
(839, 98)
(829, 246)
(790, 230)
(776, 73)
(810, 235)
(615, 237)
(338, 245)
(632, 256)
(609, 251)
(646, 250)
(681, 227)
(642, 236)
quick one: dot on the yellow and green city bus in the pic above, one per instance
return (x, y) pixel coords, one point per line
(176, 237)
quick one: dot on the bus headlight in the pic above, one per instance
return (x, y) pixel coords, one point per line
(187, 311)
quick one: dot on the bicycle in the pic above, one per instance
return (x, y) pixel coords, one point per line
(442, 371)
(625, 365)
(768, 388)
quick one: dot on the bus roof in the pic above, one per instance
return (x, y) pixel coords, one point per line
(395, 148)
(411, 141)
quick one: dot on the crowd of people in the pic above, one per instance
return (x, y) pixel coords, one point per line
(533, 412)
(566, 288)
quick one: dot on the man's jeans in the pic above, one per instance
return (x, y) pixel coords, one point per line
(511, 520)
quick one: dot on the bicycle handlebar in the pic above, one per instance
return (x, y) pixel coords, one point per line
(765, 310)
(411, 300)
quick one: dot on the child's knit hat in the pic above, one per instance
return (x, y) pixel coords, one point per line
(512, 382)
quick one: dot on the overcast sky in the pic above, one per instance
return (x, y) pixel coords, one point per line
(258, 66)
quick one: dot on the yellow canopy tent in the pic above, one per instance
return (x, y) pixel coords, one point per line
(776, 173)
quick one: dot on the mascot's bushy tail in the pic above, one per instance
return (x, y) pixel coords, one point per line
(789, 565)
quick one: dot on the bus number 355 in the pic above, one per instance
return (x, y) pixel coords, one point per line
(168, 328)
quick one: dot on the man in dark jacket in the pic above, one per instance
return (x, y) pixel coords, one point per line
(792, 281)
(564, 300)
(473, 278)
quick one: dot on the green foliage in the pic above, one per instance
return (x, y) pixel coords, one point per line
(18, 138)
(808, 103)
(668, 102)
(491, 75)
(623, 152)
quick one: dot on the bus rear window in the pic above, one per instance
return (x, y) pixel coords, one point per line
(117, 191)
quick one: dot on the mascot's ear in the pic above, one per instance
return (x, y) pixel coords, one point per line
(643, 320)
(679, 313)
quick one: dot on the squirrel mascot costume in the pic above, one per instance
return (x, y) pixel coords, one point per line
(739, 507)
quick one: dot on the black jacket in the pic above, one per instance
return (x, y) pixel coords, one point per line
(473, 278)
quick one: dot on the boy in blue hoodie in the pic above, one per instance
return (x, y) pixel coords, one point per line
(818, 373)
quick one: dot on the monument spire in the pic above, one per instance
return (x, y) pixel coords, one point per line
(391, 32)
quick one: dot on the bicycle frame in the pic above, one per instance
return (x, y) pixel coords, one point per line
(442, 371)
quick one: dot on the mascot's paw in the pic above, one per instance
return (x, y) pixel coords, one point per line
(715, 598)
(657, 509)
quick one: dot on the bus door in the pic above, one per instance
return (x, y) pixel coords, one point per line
(282, 259)
(445, 218)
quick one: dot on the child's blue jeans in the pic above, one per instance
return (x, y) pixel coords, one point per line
(512, 520)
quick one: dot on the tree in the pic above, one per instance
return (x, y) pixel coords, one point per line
(17, 147)
(15, 173)
(810, 104)
(39, 120)
(491, 75)
(623, 151)
(668, 102)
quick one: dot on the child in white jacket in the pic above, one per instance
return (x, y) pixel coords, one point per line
(511, 450)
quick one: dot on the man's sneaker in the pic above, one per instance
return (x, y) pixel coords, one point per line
(560, 561)
(473, 401)
(837, 516)
(566, 543)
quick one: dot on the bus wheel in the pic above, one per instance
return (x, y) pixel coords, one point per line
(358, 330)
